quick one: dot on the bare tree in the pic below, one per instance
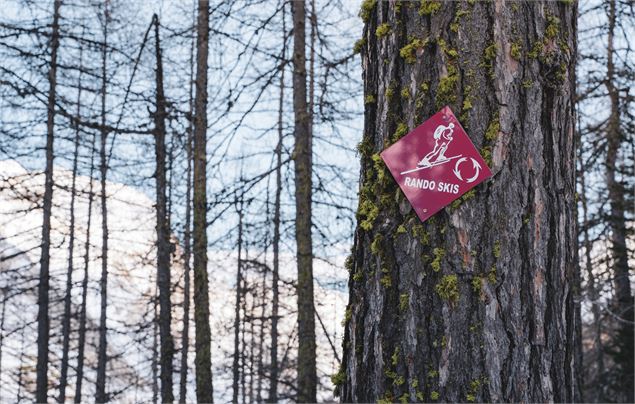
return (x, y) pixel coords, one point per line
(204, 387)
(43, 288)
(307, 380)
(163, 229)
(102, 358)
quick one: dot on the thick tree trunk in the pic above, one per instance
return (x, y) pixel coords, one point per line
(82, 312)
(66, 323)
(476, 303)
(102, 358)
(43, 287)
(202, 360)
(307, 380)
(623, 298)
(163, 230)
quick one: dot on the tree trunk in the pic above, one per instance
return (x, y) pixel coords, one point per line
(236, 356)
(155, 351)
(275, 274)
(82, 312)
(66, 325)
(477, 303)
(307, 380)
(100, 388)
(187, 242)
(623, 298)
(43, 287)
(597, 383)
(203, 363)
(163, 230)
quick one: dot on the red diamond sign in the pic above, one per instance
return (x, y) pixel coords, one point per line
(435, 164)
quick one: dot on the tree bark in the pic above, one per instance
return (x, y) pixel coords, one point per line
(307, 379)
(239, 280)
(82, 313)
(163, 230)
(66, 323)
(204, 387)
(102, 358)
(43, 287)
(598, 382)
(477, 303)
(623, 298)
(188, 237)
(275, 274)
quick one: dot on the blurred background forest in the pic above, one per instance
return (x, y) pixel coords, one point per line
(113, 188)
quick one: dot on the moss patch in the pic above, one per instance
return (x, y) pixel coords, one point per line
(403, 301)
(400, 132)
(383, 30)
(359, 45)
(493, 128)
(429, 7)
(339, 378)
(447, 90)
(448, 288)
(439, 253)
(516, 50)
(367, 9)
(409, 52)
(368, 212)
(497, 249)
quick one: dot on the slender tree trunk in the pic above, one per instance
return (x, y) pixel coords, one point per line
(66, 324)
(236, 356)
(43, 287)
(477, 303)
(163, 230)
(19, 397)
(243, 356)
(2, 317)
(307, 379)
(273, 383)
(252, 359)
(623, 298)
(100, 388)
(598, 351)
(187, 242)
(263, 309)
(155, 351)
(204, 388)
(82, 313)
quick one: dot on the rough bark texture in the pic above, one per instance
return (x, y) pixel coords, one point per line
(476, 303)
(623, 298)
(201, 291)
(102, 358)
(163, 230)
(307, 380)
(43, 287)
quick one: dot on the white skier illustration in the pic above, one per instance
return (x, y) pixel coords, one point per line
(443, 137)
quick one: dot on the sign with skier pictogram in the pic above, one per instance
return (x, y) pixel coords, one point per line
(435, 164)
